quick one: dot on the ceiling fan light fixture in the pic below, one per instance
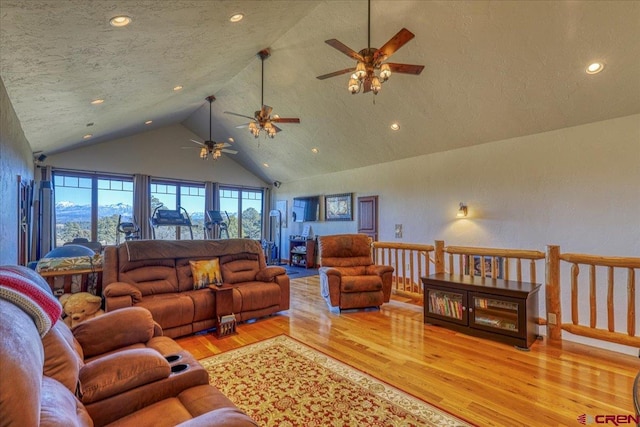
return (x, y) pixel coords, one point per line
(354, 85)
(375, 85)
(361, 70)
(385, 72)
(204, 153)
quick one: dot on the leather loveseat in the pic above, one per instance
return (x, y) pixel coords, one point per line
(156, 275)
(113, 370)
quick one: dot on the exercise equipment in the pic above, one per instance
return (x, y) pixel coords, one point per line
(273, 251)
(169, 218)
(131, 230)
(215, 227)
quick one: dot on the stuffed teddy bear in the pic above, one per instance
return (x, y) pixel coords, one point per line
(79, 307)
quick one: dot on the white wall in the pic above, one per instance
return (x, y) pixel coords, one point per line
(15, 159)
(158, 153)
(577, 187)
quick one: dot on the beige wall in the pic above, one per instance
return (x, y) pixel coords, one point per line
(577, 187)
(158, 153)
(15, 159)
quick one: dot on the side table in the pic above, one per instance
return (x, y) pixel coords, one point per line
(225, 319)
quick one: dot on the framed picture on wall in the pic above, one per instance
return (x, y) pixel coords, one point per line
(338, 207)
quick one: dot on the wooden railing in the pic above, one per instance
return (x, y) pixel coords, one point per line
(413, 261)
(498, 263)
(609, 267)
(410, 262)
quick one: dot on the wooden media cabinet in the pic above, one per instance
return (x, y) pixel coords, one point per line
(496, 309)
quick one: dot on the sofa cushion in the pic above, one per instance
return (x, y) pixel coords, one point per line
(204, 303)
(255, 295)
(151, 277)
(205, 272)
(238, 268)
(170, 310)
(63, 356)
(60, 408)
(103, 334)
(120, 372)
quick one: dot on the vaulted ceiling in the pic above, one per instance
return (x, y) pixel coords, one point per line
(493, 70)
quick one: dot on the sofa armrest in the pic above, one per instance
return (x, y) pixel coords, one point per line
(330, 271)
(379, 269)
(268, 274)
(120, 289)
(119, 372)
(115, 329)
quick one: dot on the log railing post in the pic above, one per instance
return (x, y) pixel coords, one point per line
(552, 271)
(439, 256)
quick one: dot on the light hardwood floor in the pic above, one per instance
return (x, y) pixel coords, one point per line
(484, 382)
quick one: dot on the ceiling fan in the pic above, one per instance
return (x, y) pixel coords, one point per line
(210, 147)
(262, 120)
(363, 75)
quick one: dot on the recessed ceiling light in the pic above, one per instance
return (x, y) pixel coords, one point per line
(395, 126)
(314, 150)
(177, 88)
(97, 101)
(231, 139)
(87, 136)
(236, 17)
(595, 68)
(266, 165)
(148, 122)
(120, 21)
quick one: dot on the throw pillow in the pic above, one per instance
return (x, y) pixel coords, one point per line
(205, 273)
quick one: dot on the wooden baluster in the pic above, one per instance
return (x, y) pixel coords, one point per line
(631, 298)
(610, 310)
(532, 271)
(451, 263)
(592, 296)
(552, 291)
(482, 266)
(506, 268)
(460, 264)
(575, 270)
(519, 270)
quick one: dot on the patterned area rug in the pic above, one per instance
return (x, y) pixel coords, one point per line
(282, 382)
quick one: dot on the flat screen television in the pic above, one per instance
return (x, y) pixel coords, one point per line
(306, 208)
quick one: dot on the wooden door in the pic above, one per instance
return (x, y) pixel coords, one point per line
(368, 216)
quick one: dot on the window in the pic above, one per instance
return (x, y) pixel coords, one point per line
(187, 199)
(90, 206)
(249, 203)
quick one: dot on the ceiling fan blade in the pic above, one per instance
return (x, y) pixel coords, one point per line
(197, 142)
(243, 126)
(405, 68)
(225, 150)
(240, 115)
(395, 43)
(285, 120)
(345, 49)
(336, 73)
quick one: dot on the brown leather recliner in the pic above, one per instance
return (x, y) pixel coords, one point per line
(348, 276)
(110, 370)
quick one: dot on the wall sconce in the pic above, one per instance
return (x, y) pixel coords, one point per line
(462, 211)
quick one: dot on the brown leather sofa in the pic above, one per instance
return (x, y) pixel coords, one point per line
(111, 370)
(156, 275)
(348, 276)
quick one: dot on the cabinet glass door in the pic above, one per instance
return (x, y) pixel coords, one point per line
(491, 313)
(446, 304)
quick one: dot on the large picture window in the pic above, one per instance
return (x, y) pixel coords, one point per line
(89, 206)
(183, 197)
(244, 210)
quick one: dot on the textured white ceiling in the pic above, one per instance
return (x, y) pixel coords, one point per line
(493, 70)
